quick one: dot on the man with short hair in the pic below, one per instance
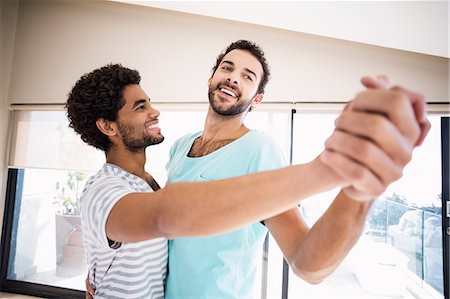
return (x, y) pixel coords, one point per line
(225, 266)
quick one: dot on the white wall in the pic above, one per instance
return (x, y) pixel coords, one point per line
(57, 41)
(418, 26)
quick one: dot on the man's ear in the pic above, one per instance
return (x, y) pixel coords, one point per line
(257, 99)
(107, 127)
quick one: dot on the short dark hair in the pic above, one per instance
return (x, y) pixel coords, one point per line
(256, 51)
(98, 94)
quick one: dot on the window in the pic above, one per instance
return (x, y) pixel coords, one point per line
(48, 247)
(49, 165)
(401, 247)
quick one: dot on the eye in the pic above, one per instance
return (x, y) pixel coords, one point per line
(226, 68)
(247, 77)
(140, 107)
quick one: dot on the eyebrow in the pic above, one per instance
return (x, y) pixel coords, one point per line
(139, 102)
(246, 69)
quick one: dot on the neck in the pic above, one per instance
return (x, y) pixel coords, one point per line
(218, 127)
(132, 162)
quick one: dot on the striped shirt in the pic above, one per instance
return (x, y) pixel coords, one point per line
(127, 270)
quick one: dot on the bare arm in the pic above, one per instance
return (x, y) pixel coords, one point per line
(371, 136)
(199, 209)
(313, 253)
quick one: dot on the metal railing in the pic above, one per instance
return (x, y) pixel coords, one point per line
(416, 232)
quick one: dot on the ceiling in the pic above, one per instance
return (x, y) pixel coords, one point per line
(416, 26)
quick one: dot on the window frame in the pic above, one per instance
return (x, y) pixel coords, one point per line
(445, 153)
(16, 286)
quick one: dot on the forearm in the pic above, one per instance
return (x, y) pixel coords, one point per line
(197, 209)
(327, 243)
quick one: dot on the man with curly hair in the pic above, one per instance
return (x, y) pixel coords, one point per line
(127, 220)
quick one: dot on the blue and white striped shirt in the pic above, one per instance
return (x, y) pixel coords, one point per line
(132, 270)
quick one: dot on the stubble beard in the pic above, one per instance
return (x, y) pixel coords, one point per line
(238, 108)
(137, 144)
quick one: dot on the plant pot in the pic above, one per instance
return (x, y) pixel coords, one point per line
(70, 252)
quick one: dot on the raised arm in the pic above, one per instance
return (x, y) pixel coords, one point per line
(372, 143)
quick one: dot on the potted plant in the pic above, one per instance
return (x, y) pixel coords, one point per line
(70, 252)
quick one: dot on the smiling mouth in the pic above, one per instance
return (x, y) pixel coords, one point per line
(153, 126)
(228, 92)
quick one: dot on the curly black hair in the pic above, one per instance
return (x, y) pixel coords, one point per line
(256, 51)
(98, 94)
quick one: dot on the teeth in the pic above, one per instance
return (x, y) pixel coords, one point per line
(153, 126)
(228, 92)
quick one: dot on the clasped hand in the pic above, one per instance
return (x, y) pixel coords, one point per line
(374, 138)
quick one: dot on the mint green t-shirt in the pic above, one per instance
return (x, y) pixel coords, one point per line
(221, 266)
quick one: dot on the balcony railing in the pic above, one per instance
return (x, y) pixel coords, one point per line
(416, 232)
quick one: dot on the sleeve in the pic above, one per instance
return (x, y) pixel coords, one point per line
(266, 156)
(97, 204)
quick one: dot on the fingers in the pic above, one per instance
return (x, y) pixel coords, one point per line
(375, 136)
(417, 100)
(419, 106)
(351, 171)
(377, 129)
(380, 82)
(366, 154)
(395, 105)
(90, 291)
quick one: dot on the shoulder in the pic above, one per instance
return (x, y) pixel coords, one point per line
(111, 173)
(261, 142)
(265, 154)
(111, 179)
(260, 137)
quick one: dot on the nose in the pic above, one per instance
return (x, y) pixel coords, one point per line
(153, 113)
(233, 78)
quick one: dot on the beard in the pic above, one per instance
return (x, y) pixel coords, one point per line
(237, 108)
(135, 141)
